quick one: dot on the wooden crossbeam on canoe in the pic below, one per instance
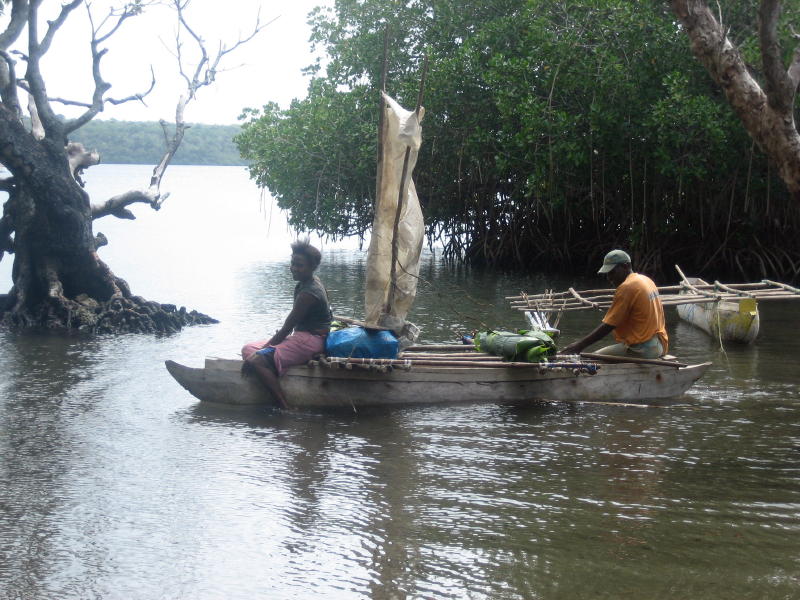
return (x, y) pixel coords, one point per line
(671, 295)
(730, 290)
(688, 285)
(494, 364)
(762, 286)
(633, 359)
(784, 286)
(676, 300)
(692, 285)
(663, 289)
(590, 302)
(447, 354)
(439, 347)
(704, 293)
(454, 356)
(582, 300)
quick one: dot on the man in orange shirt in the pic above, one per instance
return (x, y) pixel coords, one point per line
(636, 315)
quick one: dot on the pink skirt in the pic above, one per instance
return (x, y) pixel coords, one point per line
(296, 349)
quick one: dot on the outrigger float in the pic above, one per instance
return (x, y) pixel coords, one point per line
(734, 320)
(727, 311)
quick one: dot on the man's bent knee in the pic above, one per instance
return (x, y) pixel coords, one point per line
(613, 350)
(652, 348)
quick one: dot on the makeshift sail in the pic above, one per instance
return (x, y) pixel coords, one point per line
(396, 242)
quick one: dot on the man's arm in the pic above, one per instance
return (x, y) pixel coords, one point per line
(599, 333)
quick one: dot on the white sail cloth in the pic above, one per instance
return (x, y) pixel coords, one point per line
(401, 130)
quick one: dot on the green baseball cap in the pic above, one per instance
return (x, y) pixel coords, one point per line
(614, 258)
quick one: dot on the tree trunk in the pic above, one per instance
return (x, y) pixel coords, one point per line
(768, 116)
(59, 280)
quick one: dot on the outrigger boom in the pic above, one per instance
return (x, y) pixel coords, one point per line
(600, 299)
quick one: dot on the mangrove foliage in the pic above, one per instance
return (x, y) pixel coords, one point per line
(554, 130)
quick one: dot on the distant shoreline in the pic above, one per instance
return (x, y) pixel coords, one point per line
(142, 143)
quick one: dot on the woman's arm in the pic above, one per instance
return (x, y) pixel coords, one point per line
(302, 304)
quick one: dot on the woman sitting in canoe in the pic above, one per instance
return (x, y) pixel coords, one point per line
(304, 332)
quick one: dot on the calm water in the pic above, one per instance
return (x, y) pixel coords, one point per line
(116, 484)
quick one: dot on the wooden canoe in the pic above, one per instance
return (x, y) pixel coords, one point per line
(728, 320)
(315, 386)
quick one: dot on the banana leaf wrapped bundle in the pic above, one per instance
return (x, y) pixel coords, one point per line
(522, 346)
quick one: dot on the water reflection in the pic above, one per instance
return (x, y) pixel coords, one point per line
(47, 399)
(115, 483)
(340, 476)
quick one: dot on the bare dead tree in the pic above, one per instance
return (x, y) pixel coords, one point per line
(59, 281)
(767, 111)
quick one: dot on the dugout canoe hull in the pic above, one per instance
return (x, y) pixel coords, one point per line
(728, 320)
(317, 387)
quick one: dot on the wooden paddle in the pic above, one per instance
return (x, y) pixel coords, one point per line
(633, 359)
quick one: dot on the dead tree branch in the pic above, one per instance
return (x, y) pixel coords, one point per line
(19, 18)
(115, 101)
(203, 74)
(34, 82)
(8, 78)
(37, 130)
(766, 113)
(8, 89)
(117, 206)
(36, 50)
(80, 159)
(100, 85)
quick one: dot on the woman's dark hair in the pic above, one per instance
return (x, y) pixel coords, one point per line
(304, 248)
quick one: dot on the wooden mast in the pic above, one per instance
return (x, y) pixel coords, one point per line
(400, 200)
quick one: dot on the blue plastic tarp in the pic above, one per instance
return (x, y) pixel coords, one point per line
(357, 342)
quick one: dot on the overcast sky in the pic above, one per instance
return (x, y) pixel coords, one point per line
(267, 68)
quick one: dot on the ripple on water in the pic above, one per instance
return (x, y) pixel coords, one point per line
(114, 483)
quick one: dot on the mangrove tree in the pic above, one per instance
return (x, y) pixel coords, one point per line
(554, 131)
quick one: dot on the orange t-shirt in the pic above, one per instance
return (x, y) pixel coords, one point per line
(636, 312)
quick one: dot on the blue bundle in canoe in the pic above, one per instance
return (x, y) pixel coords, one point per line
(357, 342)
